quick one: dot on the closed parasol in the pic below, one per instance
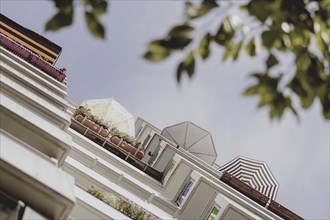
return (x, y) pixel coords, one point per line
(193, 139)
(111, 110)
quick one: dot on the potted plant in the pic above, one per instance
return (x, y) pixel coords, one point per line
(126, 142)
(116, 136)
(139, 152)
(85, 117)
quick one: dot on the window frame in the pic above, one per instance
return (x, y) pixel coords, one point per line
(185, 192)
(168, 170)
(210, 213)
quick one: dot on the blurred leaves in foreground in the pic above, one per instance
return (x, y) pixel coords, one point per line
(278, 27)
(65, 12)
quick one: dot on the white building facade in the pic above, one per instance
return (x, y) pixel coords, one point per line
(54, 166)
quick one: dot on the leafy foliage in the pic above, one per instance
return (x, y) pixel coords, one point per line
(86, 112)
(65, 11)
(122, 135)
(299, 27)
(122, 204)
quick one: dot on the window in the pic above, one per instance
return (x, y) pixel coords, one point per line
(184, 192)
(214, 213)
(168, 171)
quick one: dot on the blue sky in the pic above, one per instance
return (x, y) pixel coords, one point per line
(297, 152)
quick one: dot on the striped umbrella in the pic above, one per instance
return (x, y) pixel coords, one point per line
(254, 173)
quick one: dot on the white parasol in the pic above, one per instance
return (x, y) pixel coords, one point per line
(192, 138)
(111, 110)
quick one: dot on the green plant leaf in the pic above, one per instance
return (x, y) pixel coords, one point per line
(99, 7)
(59, 20)
(179, 71)
(157, 51)
(304, 93)
(94, 25)
(271, 61)
(176, 43)
(204, 46)
(194, 10)
(271, 39)
(236, 50)
(250, 48)
(64, 6)
(225, 32)
(156, 55)
(189, 63)
(186, 66)
(253, 90)
(180, 31)
(259, 8)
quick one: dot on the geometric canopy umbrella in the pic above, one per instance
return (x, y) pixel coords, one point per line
(254, 173)
(193, 139)
(110, 110)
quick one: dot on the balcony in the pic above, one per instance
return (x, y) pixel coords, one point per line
(105, 142)
(39, 184)
(32, 58)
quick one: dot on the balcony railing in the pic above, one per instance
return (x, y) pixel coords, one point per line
(105, 143)
(34, 59)
(258, 197)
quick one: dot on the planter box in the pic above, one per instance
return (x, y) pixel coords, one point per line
(127, 147)
(93, 126)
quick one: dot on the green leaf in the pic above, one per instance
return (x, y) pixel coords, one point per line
(204, 46)
(154, 56)
(325, 100)
(251, 48)
(189, 63)
(253, 90)
(271, 61)
(278, 106)
(179, 71)
(236, 50)
(225, 33)
(157, 44)
(94, 25)
(176, 43)
(186, 66)
(63, 5)
(270, 38)
(226, 54)
(157, 51)
(99, 7)
(180, 31)
(304, 93)
(259, 8)
(194, 10)
(59, 20)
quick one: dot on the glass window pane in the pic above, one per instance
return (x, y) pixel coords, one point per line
(168, 172)
(213, 214)
(184, 192)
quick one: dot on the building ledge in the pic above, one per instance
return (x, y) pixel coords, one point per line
(33, 78)
(34, 130)
(23, 95)
(39, 183)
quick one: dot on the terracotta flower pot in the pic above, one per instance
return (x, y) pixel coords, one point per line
(115, 140)
(91, 125)
(140, 154)
(103, 132)
(132, 150)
